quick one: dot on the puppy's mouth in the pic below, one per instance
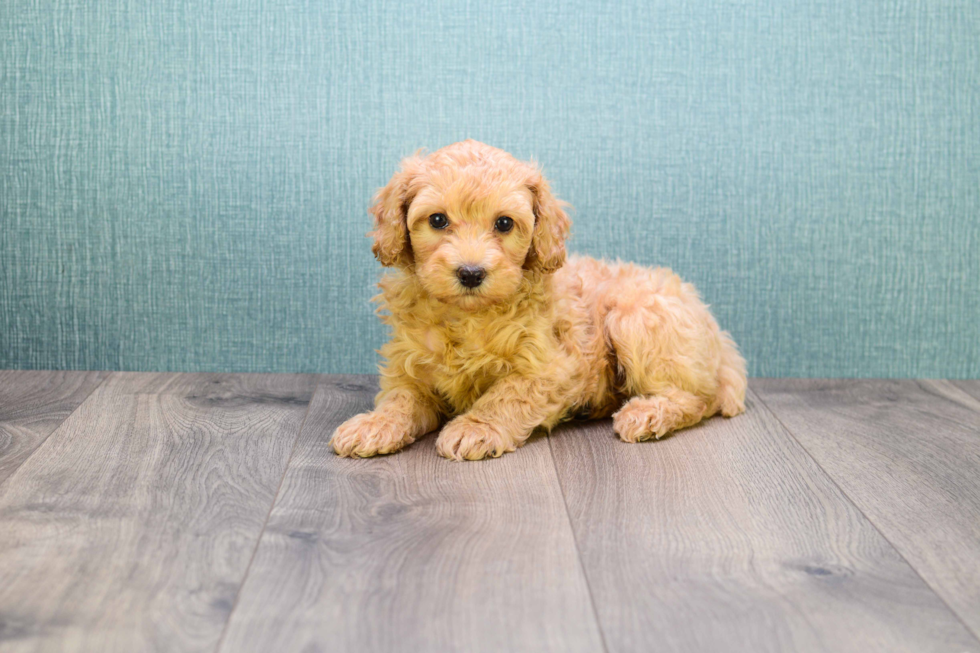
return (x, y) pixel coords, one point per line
(471, 298)
(471, 295)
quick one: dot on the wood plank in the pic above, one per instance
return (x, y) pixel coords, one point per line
(33, 403)
(412, 552)
(728, 537)
(132, 528)
(908, 454)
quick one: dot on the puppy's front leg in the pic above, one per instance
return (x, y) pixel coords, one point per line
(401, 416)
(502, 419)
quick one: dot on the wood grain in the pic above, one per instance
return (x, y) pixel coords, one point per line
(728, 537)
(908, 454)
(133, 524)
(32, 405)
(132, 528)
(972, 388)
(412, 552)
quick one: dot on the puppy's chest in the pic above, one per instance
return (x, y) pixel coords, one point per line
(462, 366)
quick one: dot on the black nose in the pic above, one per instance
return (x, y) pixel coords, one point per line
(471, 276)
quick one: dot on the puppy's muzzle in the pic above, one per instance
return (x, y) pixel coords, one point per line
(471, 276)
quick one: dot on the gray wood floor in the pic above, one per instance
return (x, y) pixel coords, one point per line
(206, 512)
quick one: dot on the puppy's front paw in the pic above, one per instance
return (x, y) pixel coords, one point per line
(467, 439)
(369, 434)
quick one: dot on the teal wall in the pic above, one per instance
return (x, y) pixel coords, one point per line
(184, 184)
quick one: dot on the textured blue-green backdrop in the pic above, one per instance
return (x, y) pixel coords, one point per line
(183, 183)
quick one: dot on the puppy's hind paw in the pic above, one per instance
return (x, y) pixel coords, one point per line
(467, 439)
(634, 426)
(369, 434)
(643, 418)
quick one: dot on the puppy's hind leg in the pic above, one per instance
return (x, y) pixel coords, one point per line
(654, 416)
(661, 336)
(730, 398)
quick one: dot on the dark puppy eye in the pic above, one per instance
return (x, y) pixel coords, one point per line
(504, 224)
(438, 221)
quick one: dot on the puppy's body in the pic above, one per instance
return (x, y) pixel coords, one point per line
(538, 342)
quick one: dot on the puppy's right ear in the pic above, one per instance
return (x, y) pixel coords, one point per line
(390, 211)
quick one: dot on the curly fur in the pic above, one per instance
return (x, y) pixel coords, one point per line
(542, 339)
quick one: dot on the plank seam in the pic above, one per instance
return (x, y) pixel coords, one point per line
(963, 384)
(55, 429)
(854, 503)
(265, 523)
(928, 386)
(578, 552)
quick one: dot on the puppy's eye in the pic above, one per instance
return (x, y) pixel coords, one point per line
(504, 224)
(438, 221)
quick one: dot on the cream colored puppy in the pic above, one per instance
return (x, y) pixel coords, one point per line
(494, 334)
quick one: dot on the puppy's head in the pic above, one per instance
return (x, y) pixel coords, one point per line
(470, 221)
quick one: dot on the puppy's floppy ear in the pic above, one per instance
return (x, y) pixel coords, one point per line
(551, 226)
(390, 211)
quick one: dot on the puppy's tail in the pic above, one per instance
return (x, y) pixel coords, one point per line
(730, 398)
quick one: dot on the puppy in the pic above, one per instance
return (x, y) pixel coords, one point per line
(494, 334)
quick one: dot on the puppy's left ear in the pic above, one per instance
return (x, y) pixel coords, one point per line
(551, 226)
(390, 210)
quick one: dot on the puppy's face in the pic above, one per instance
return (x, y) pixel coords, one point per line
(470, 237)
(470, 221)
